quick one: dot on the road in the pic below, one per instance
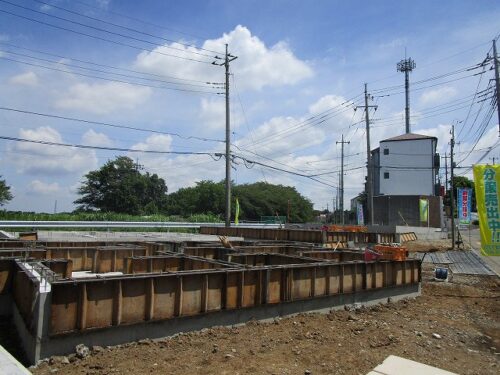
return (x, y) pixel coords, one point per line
(473, 239)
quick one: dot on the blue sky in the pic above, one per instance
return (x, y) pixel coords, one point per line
(300, 72)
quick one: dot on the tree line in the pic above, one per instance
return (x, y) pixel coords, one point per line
(119, 186)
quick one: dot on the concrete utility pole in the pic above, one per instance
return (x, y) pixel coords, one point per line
(342, 177)
(227, 59)
(369, 168)
(445, 172)
(497, 80)
(406, 66)
(452, 193)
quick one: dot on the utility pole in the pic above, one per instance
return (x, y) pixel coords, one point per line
(445, 172)
(406, 66)
(452, 193)
(342, 177)
(369, 168)
(227, 59)
(497, 80)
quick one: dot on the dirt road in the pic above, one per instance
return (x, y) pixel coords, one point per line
(454, 326)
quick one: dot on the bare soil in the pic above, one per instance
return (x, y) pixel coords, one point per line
(464, 313)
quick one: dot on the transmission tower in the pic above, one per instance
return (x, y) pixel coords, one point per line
(406, 66)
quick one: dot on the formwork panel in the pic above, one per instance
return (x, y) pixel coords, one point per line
(301, 283)
(164, 297)
(274, 287)
(408, 272)
(215, 291)
(398, 272)
(133, 300)
(105, 261)
(99, 304)
(192, 286)
(139, 265)
(320, 281)
(359, 276)
(379, 274)
(334, 272)
(250, 288)
(348, 279)
(64, 308)
(232, 286)
(6, 274)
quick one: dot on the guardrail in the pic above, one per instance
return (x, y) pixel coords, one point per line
(120, 224)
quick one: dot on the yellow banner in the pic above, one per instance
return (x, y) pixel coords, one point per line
(237, 213)
(487, 183)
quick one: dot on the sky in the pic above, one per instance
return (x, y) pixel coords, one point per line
(139, 76)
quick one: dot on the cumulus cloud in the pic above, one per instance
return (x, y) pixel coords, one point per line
(213, 115)
(103, 98)
(24, 79)
(32, 158)
(261, 66)
(438, 95)
(93, 138)
(42, 188)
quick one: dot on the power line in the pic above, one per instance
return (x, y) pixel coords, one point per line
(101, 38)
(103, 71)
(108, 124)
(106, 79)
(101, 65)
(76, 145)
(126, 28)
(139, 20)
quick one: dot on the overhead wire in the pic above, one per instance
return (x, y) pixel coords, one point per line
(155, 51)
(107, 124)
(100, 64)
(52, 5)
(104, 78)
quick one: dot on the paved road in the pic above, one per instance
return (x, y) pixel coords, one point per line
(473, 239)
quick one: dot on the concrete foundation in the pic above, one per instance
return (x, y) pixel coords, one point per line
(144, 290)
(118, 335)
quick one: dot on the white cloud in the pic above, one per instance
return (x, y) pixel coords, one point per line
(42, 188)
(103, 98)
(438, 95)
(213, 115)
(32, 158)
(24, 79)
(257, 67)
(155, 142)
(92, 138)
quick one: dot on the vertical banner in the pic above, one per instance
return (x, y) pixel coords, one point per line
(464, 196)
(486, 182)
(237, 213)
(424, 210)
(360, 216)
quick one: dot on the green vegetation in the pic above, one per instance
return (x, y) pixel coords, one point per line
(119, 186)
(118, 191)
(5, 194)
(101, 216)
(256, 200)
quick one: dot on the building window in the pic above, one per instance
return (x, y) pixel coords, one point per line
(386, 175)
(386, 152)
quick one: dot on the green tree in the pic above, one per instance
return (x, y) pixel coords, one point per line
(256, 200)
(118, 186)
(5, 194)
(264, 199)
(207, 197)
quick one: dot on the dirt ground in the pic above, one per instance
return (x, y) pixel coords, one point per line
(465, 313)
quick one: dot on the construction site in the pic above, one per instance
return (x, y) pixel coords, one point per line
(231, 295)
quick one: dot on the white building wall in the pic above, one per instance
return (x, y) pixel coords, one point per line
(409, 165)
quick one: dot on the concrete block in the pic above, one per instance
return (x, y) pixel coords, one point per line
(394, 365)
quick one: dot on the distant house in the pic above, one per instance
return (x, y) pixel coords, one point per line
(405, 170)
(406, 165)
